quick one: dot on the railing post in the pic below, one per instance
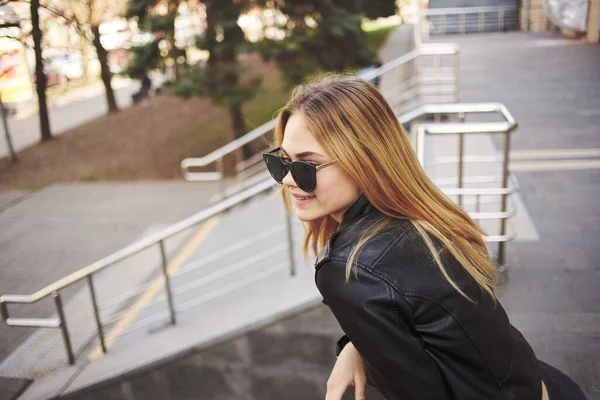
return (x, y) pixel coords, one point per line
(437, 66)
(456, 76)
(63, 327)
(461, 151)
(462, 23)
(221, 169)
(421, 146)
(288, 225)
(165, 272)
(501, 20)
(505, 161)
(481, 22)
(444, 22)
(96, 314)
(419, 77)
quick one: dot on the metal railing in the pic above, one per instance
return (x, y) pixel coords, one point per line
(463, 20)
(87, 273)
(417, 69)
(418, 77)
(419, 73)
(461, 129)
(54, 290)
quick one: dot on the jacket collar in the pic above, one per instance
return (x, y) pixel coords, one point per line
(361, 207)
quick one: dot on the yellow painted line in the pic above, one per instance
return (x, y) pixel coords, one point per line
(157, 285)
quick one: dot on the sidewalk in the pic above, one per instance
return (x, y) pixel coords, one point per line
(551, 86)
(68, 111)
(46, 235)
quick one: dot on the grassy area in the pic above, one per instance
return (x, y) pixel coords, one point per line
(147, 141)
(377, 34)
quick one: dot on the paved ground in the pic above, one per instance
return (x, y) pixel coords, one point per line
(551, 86)
(49, 234)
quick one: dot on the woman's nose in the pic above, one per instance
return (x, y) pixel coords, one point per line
(288, 180)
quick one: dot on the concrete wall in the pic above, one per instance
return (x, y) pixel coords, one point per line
(289, 360)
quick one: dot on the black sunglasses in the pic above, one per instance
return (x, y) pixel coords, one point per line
(304, 174)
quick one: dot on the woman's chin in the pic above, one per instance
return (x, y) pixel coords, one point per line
(307, 215)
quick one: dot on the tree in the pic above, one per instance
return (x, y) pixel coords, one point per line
(219, 77)
(86, 17)
(40, 76)
(322, 35)
(156, 17)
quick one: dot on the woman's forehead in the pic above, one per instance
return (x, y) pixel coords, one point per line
(297, 138)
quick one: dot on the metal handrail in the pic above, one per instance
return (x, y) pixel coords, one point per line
(140, 245)
(224, 205)
(429, 49)
(434, 49)
(194, 265)
(88, 272)
(227, 149)
(458, 108)
(466, 10)
(461, 129)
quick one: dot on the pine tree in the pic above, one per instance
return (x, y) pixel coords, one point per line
(219, 77)
(322, 35)
(148, 56)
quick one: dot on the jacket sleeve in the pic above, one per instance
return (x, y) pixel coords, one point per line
(379, 322)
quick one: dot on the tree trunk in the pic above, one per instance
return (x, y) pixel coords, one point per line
(222, 60)
(172, 48)
(239, 128)
(104, 70)
(40, 82)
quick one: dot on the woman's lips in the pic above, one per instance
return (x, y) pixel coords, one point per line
(303, 199)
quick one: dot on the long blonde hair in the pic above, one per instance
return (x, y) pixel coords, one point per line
(356, 126)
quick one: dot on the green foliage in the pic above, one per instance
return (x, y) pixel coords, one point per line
(145, 58)
(148, 56)
(139, 9)
(197, 81)
(219, 77)
(374, 9)
(377, 37)
(159, 23)
(323, 35)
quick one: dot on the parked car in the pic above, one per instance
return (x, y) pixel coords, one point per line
(69, 64)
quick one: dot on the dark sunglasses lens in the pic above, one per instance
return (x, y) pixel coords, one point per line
(275, 166)
(305, 176)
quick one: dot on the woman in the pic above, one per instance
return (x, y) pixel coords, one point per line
(404, 270)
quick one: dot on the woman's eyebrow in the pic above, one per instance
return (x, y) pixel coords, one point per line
(303, 154)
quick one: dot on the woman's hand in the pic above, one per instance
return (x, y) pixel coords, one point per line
(347, 371)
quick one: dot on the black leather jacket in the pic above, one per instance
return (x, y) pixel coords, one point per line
(418, 337)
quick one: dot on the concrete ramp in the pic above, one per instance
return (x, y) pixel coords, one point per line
(236, 280)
